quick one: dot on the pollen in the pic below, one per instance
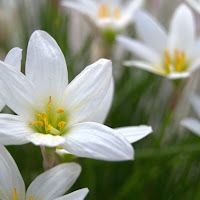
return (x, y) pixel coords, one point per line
(37, 122)
(103, 11)
(61, 124)
(49, 107)
(178, 60)
(15, 194)
(59, 110)
(40, 116)
(167, 60)
(117, 13)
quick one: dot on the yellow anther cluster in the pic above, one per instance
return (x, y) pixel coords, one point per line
(15, 194)
(104, 11)
(44, 120)
(178, 60)
(30, 198)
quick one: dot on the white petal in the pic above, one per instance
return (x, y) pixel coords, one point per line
(195, 100)
(13, 130)
(45, 65)
(54, 182)
(46, 139)
(102, 111)
(17, 92)
(182, 29)
(195, 4)
(194, 65)
(133, 134)
(132, 6)
(83, 7)
(2, 104)
(93, 140)
(10, 177)
(87, 91)
(178, 75)
(191, 124)
(139, 49)
(14, 57)
(150, 31)
(146, 66)
(77, 195)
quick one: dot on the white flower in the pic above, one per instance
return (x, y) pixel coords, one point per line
(13, 58)
(191, 123)
(175, 55)
(111, 15)
(52, 112)
(195, 4)
(50, 185)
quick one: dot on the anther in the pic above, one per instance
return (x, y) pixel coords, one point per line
(30, 198)
(40, 116)
(60, 110)
(49, 107)
(103, 11)
(15, 194)
(45, 118)
(167, 60)
(117, 13)
(61, 124)
(37, 122)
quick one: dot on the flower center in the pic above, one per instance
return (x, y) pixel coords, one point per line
(51, 122)
(176, 63)
(15, 195)
(104, 11)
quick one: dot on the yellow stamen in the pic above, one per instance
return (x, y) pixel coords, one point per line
(45, 118)
(167, 60)
(103, 11)
(117, 13)
(15, 194)
(61, 124)
(37, 122)
(60, 110)
(59, 147)
(49, 107)
(30, 198)
(179, 60)
(40, 116)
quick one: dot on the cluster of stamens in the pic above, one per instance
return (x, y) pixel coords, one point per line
(15, 195)
(178, 61)
(105, 11)
(43, 121)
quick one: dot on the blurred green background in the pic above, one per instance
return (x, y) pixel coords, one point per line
(167, 162)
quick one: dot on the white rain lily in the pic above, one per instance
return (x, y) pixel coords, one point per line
(50, 185)
(52, 113)
(193, 124)
(195, 4)
(13, 58)
(175, 55)
(107, 15)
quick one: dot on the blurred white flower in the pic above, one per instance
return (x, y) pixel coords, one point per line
(13, 58)
(107, 15)
(193, 124)
(195, 4)
(50, 185)
(175, 55)
(52, 112)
